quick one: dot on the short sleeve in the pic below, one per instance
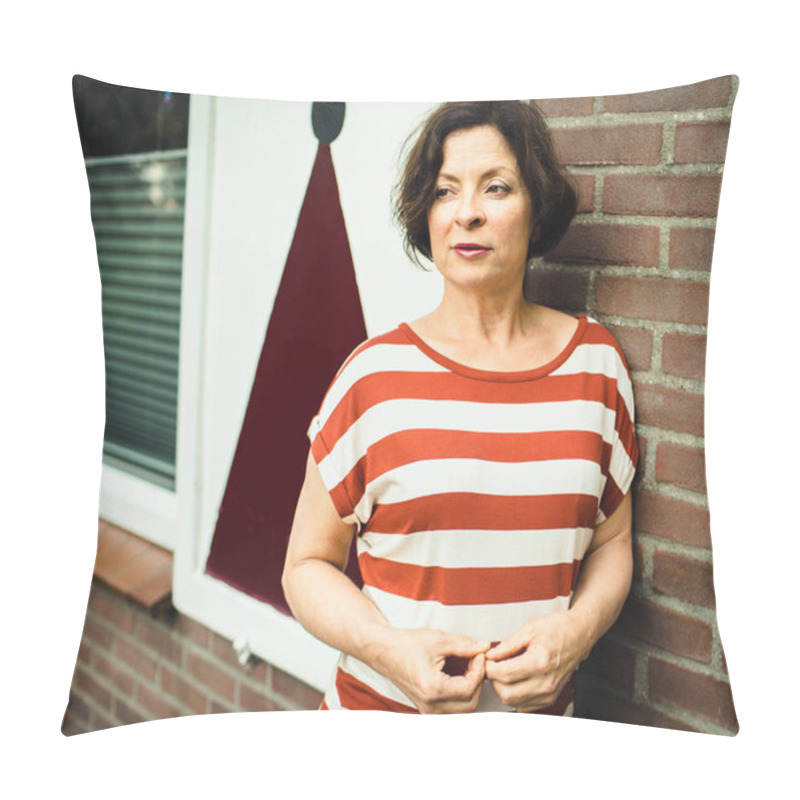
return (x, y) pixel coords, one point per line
(338, 448)
(624, 454)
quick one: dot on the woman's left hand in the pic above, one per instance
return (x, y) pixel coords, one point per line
(529, 668)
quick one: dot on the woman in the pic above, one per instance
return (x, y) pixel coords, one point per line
(483, 454)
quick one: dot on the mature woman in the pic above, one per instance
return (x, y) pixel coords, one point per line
(482, 454)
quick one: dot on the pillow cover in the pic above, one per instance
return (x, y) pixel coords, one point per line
(212, 218)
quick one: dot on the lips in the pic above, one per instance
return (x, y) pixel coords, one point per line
(470, 250)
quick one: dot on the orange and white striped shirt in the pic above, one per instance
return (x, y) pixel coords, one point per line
(475, 493)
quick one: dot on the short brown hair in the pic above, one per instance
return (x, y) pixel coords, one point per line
(523, 126)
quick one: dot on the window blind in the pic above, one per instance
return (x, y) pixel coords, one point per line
(137, 209)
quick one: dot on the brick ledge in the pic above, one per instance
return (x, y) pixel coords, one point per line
(133, 566)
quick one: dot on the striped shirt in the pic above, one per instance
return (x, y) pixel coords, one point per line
(475, 493)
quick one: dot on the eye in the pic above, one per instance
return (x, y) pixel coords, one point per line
(442, 191)
(498, 188)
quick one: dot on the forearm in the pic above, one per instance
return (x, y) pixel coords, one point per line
(332, 608)
(603, 585)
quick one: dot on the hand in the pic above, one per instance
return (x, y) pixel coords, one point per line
(529, 668)
(416, 662)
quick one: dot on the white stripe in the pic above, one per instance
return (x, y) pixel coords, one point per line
(484, 622)
(376, 359)
(507, 479)
(620, 467)
(403, 414)
(600, 359)
(455, 549)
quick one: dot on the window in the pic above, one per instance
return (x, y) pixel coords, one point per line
(134, 144)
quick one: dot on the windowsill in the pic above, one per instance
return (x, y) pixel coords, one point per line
(132, 566)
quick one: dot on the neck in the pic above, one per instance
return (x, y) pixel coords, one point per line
(495, 319)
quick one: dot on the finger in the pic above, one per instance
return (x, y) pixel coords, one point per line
(464, 687)
(509, 647)
(466, 646)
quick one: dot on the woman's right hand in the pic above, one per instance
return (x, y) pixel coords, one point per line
(414, 659)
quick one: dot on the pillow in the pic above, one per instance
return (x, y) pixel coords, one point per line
(212, 218)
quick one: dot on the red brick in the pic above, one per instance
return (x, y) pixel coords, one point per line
(681, 466)
(638, 562)
(152, 636)
(300, 693)
(87, 683)
(126, 714)
(188, 628)
(566, 106)
(701, 695)
(671, 519)
(97, 633)
(701, 142)
(641, 467)
(607, 144)
(211, 675)
(662, 195)
(252, 700)
(158, 706)
(562, 289)
(684, 578)
(596, 702)
(77, 707)
(669, 409)
(85, 652)
(684, 354)
(112, 609)
(135, 658)
(223, 650)
(113, 674)
(584, 187)
(613, 663)
(677, 633)
(590, 243)
(637, 344)
(101, 721)
(714, 93)
(652, 299)
(182, 690)
(691, 248)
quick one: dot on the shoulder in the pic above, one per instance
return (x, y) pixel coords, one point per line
(388, 352)
(600, 339)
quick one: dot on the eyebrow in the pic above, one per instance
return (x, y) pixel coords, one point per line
(488, 174)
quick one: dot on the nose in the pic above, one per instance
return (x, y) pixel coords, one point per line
(470, 213)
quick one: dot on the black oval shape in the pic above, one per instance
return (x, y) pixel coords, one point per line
(327, 120)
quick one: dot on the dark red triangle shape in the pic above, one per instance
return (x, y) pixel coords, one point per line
(316, 322)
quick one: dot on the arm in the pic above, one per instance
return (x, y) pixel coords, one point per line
(554, 645)
(330, 606)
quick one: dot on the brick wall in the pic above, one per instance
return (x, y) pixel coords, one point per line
(648, 169)
(135, 665)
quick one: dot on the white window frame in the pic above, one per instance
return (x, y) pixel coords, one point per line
(269, 634)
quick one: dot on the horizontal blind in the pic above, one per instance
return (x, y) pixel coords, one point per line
(137, 207)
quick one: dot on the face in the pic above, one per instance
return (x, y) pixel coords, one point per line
(480, 220)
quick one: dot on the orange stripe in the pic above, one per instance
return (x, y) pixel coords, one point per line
(406, 447)
(357, 696)
(468, 511)
(469, 585)
(380, 387)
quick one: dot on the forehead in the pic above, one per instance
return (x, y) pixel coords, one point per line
(480, 146)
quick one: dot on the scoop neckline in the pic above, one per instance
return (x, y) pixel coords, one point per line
(494, 375)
